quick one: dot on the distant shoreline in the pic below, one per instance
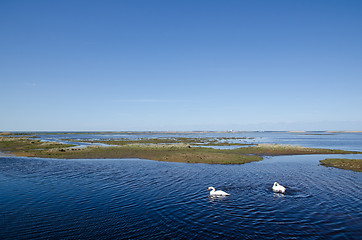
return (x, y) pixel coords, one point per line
(164, 132)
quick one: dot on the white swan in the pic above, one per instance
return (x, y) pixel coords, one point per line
(217, 193)
(278, 188)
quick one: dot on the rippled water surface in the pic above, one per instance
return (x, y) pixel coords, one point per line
(139, 199)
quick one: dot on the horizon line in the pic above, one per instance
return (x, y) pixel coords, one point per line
(3, 132)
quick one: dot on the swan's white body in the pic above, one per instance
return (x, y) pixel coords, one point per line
(278, 188)
(217, 193)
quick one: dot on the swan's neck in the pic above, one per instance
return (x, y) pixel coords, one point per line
(212, 189)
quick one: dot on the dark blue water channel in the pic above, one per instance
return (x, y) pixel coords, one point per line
(143, 199)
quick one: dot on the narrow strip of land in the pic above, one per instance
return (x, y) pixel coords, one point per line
(343, 163)
(165, 149)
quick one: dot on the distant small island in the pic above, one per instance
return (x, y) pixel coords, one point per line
(171, 149)
(343, 163)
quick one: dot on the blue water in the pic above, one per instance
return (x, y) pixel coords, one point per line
(139, 199)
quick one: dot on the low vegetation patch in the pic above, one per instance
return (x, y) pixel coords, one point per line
(170, 153)
(206, 141)
(343, 163)
(24, 146)
(277, 150)
(160, 149)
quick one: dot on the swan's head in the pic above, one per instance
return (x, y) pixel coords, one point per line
(211, 188)
(276, 184)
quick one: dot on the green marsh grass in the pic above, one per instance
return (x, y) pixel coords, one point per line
(343, 163)
(160, 149)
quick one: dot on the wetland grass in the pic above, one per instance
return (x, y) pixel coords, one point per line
(225, 141)
(278, 150)
(343, 163)
(170, 153)
(160, 149)
(27, 146)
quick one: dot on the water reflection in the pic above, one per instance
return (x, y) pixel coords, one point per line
(217, 198)
(279, 195)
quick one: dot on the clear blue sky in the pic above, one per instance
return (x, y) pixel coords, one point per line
(180, 65)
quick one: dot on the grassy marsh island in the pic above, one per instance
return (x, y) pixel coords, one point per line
(343, 163)
(199, 141)
(189, 150)
(174, 152)
(169, 152)
(278, 150)
(28, 146)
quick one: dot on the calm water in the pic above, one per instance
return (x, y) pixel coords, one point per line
(139, 199)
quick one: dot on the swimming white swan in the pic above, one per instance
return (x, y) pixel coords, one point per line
(278, 188)
(217, 193)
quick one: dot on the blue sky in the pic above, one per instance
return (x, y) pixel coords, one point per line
(180, 65)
